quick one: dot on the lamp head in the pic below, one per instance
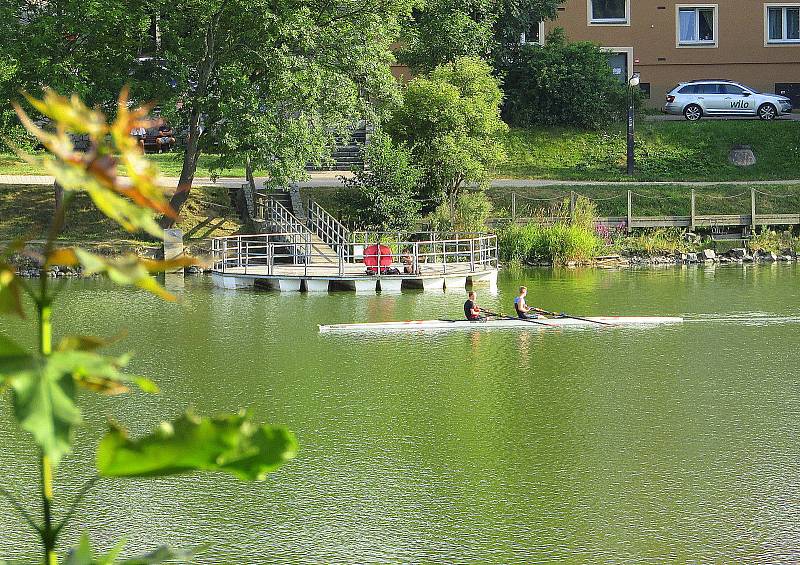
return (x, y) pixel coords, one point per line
(634, 80)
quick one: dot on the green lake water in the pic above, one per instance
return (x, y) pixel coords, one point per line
(670, 444)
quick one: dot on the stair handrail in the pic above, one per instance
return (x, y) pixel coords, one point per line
(328, 228)
(286, 221)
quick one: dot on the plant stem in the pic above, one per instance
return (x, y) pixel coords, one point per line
(48, 533)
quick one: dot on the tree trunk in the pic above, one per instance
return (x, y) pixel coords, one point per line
(188, 169)
(58, 193)
(190, 157)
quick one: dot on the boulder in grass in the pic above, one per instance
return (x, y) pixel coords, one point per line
(738, 253)
(709, 255)
(742, 156)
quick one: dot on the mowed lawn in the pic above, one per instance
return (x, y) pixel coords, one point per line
(665, 150)
(169, 165)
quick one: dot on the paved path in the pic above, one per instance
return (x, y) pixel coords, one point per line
(331, 179)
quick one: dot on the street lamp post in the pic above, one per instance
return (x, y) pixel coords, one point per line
(633, 82)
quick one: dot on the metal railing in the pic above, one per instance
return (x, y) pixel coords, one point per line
(283, 220)
(249, 254)
(291, 254)
(326, 227)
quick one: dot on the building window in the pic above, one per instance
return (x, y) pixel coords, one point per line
(783, 24)
(697, 26)
(612, 12)
(534, 35)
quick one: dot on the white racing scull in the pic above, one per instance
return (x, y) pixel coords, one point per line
(504, 323)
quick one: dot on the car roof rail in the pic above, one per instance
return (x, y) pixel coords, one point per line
(712, 80)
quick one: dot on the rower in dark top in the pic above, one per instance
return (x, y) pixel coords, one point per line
(471, 310)
(523, 310)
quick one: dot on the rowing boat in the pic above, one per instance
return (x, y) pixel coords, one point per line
(503, 323)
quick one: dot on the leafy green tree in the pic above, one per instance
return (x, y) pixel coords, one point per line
(562, 83)
(515, 17)
(441, 31)
(450, 119)
(44, 382)
(88, 48)
(274, 82)
(380, 195)
(85, 47)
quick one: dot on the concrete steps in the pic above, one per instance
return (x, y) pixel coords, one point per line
(347, 154)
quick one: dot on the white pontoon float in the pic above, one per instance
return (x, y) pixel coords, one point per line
(504, 323)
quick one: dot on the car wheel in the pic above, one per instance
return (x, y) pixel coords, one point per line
(693, 112)
(767, 112)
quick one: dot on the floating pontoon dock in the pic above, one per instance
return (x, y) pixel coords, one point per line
(321, 254)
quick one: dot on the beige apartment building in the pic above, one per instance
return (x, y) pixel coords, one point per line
(755, 42)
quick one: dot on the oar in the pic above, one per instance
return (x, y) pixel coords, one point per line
(562, 315)
(529, 320)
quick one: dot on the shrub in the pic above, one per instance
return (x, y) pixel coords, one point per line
(572, 237)
(380, 196)
(469, 213)
(773, 242)
(450, 119)
(561, 83)
(559, 243)
(659, 241)
(13, 136)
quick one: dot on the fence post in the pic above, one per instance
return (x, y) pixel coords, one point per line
(753, 209)
(693, 221)
(472, 255)
(572, 201)
(513, 207)
(630, 209)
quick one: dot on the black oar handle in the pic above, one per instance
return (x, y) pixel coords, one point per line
(574, 317)
(528, 320)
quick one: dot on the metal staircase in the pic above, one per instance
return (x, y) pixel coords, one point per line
(282, 213)
(274, 210)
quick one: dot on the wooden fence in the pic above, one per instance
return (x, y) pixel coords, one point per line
(691, 221)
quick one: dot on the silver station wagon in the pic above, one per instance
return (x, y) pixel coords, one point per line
(700, 98)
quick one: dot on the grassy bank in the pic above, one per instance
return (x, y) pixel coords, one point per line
(25, 210)
(610, 200)
(666, 150)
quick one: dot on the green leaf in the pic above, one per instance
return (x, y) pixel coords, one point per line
(160, 555)
(44, 406)
(229, 443)
(44, 394)
(97, 372)
(86, 342)
(83, 555)
(13, 358)
(10, 292)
